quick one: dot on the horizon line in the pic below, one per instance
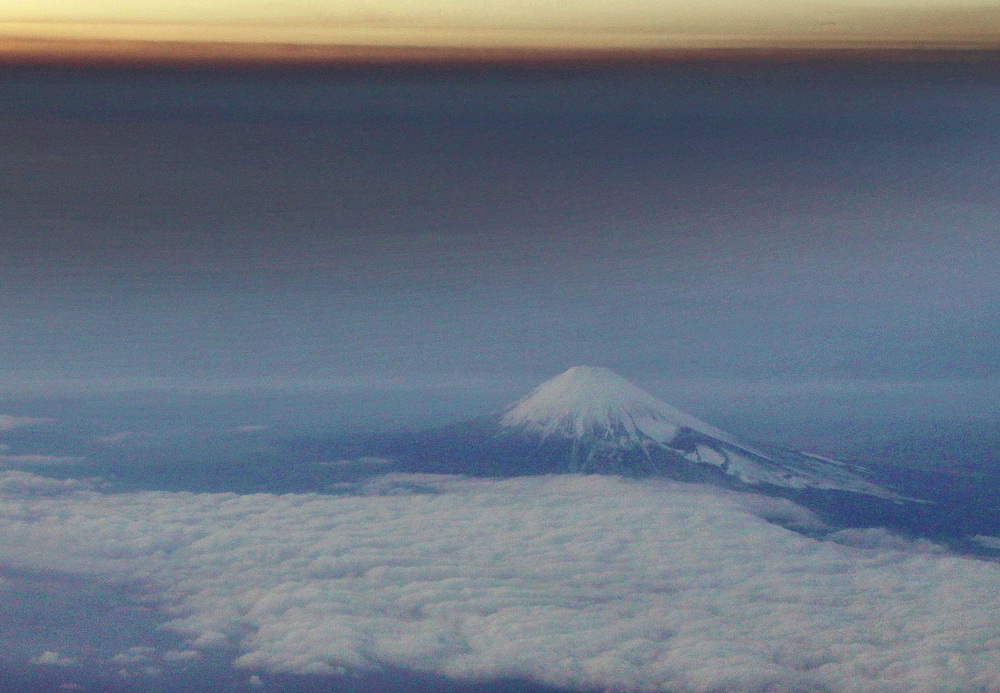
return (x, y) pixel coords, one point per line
(68, 52)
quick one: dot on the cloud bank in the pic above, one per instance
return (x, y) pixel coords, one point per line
(585, 582)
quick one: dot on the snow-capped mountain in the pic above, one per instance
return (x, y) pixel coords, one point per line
(593, 420)
(585, 402)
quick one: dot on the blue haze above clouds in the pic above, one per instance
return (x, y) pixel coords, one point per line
(195, 264)
(819, 234)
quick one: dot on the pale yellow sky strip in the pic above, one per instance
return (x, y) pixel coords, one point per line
(516, 23)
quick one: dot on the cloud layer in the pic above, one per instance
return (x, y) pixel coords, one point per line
(587, 582)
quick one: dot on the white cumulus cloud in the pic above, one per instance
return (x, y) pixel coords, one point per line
(30, 460)
(8, 422)
(135, 655)
(19, 483)
(54, 659)
(580, 581)
(988, 542)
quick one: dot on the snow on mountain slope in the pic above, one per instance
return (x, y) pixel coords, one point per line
(587, 400)
(614, 426)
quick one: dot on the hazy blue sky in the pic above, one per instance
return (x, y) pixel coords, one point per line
(721, 231)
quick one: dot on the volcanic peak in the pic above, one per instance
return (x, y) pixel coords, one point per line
(587, 400)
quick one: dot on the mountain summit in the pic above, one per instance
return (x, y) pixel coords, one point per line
(592, 420)
(585, 400)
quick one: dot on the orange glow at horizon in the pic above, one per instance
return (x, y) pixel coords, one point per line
(510, 24)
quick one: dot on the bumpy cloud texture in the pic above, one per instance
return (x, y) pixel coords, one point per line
(587, 582)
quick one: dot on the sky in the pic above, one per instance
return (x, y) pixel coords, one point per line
(513, 23)
(717, 234)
